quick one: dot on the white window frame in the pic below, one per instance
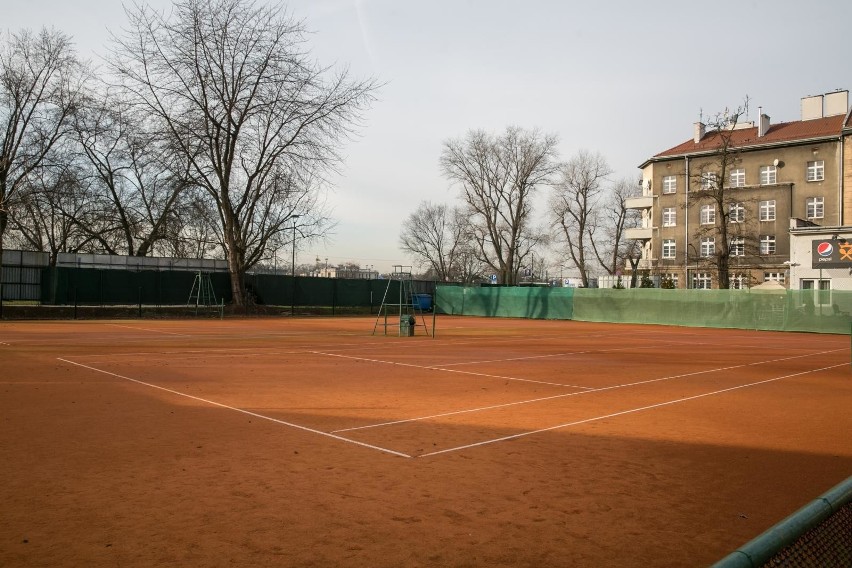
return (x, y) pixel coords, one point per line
(767, 210)
(737, 177)
(736, 213)
(738, 281)
(820, 288)
(708, 180)
(737, 246)
(708, 247)
(669, 249)
(672, 276)
(669, 217)
(768, 175)
(669, 184)
(815, 171)
(774, 277)
(702, 281)
(767, 245)
(815, 207)
(707, 215)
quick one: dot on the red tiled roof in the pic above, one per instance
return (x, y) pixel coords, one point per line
(781, 132)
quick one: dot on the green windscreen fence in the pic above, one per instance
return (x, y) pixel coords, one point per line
(823, 311)
(512, 302)
(92, 286)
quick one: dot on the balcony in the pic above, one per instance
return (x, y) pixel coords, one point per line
(640, 233)
(639, 202)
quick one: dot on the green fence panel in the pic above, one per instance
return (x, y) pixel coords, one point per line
(537, 303)
(790, 310)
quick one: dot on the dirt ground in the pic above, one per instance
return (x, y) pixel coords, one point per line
(313, 442)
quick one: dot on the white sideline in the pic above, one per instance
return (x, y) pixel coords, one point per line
(623, 412)
(587, 391)
(235, 409)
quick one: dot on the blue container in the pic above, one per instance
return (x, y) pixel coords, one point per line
(423, 302)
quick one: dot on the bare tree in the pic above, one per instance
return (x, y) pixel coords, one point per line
(135, 179)
(49, 206)
(711, 177)
(256, 118)
(41, 82)
(612, 250)
(498, 175)
(573, 207)
(433, 234)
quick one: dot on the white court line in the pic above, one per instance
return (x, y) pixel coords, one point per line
(430, 368)
(589, 391)
(147, 329)
(235, 409)
(623, 412)
(566, 354)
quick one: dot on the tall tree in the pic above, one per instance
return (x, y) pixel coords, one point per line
(41, 85)
(612, 250)
(256, 118)
(433, 234)
(136, 181)
(573, 207)
(498, 176)
(711, 178)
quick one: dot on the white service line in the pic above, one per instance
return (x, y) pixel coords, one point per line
(235, 409)
(147, 329)
(623, 412)
(588, 391)
(566, 354)
(433, 368)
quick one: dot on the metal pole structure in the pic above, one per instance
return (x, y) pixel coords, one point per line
(293, 298)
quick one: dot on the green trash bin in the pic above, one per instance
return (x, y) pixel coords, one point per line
(406, 325)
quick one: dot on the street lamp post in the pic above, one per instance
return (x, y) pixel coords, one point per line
(293, 299)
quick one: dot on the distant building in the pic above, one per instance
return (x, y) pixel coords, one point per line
(774, 173)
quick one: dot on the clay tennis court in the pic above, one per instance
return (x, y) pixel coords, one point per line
(499, 442)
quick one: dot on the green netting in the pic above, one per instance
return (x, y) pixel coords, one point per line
(785, 310)
(90, 286)
(538, 303)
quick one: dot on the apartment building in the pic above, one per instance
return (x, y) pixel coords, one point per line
(766, 175)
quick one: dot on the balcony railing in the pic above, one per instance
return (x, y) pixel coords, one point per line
(641, 233)
(639, 202)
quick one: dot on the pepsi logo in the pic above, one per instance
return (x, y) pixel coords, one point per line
(825, 249)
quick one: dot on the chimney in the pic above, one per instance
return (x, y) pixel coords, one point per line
(762, 123)
(836, 103)
(700, 129)
(812, 107)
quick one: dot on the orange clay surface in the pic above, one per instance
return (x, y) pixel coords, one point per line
(500, 442)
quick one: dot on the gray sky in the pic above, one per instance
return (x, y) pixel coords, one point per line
(623, 78)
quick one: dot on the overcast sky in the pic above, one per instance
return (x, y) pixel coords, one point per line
(623, 78)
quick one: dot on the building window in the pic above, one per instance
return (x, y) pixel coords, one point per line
(774, 277)
(768, 175)
(669, 184)
(738, 177)
(736, 213)
(738, 246)
(738, 281)
(708, 246)
(822, 291)
(708, 214)
(816, 170)
(668, 248)
(767, 244)
(767, 210)
(815, 207)
(669, 277)
(669, 217)
(708, 181)
(702, 281)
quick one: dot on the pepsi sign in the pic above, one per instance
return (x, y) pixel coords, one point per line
(831, 253)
